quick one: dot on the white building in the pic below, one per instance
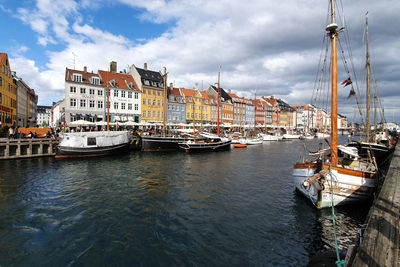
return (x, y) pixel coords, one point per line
(57, 117)
(125, 95)
(84, 96)
(43, 116)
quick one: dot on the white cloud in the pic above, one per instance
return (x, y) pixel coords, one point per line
(268, 46)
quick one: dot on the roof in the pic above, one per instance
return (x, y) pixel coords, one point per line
(121, 80)
(175, 92)
(223, 93)
(3, 56)
(149, 75)
(85, 76)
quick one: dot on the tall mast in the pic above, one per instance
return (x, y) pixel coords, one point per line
(368, 82)
(331, 28)
(164, 76)
(108, 104)
(255, 110)
(194, 123)
(219, 100)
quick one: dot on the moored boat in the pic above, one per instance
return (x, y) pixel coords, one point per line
(89, 144)
(212, 143)
(344, 178)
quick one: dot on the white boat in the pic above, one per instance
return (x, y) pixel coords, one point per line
(271, 137)
(323, 135)
(253, 141)
(291, 136)
(335, 181)
(89, 144)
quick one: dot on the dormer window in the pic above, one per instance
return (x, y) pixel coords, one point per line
(206, 101)
(94, 80)
(112, 82)
(146, 82)
(190, 99)
(77, 77)
(130, 85)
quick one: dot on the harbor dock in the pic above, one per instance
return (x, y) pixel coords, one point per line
(27, 148)
(380, 241)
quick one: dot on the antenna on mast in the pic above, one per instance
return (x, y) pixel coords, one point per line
(73, 59)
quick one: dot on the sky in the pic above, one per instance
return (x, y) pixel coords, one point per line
(264, 47)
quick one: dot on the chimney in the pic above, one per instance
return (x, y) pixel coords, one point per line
(171, 85)
(145, 66)
(85, 69)
(113, 66)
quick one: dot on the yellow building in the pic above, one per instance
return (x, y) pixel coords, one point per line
(197, 106)
(8, 94)
(152, 87)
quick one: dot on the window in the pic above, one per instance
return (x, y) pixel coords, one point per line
(116, 93)
(99, 104)
(122, 105)
(159, 93)
(144, 90)
(83, 103)
(115, 105)
(149, 101)
(136, 106)
(149, 114)
(144, 113)
(130, 106)
(122, 93)
(177, 107)
(129, 94)
(154, 114)
(154, 102)
(83, 90)
(136, 95)
(91, 103)
(158, 115)
(72, 89)
(158, 102)
(99, 92)
(77, 78)
(144, 101)
(91, 91)
(91, 141)
(95, 80)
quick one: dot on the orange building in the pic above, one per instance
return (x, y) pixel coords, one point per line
(8, 94)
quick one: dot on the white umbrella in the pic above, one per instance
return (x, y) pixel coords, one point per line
(82, 123)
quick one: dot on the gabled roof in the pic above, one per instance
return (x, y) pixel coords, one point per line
(85, 76)
(121, 80)
(176, 93)
(3, 57)
(223, 93)
(149, 75)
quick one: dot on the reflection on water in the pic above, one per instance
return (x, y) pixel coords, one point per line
(236, 207)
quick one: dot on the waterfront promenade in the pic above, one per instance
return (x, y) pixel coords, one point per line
(380, 245)
(27, 148)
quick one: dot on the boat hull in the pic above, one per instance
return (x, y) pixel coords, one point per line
(71, 152)
(205, 147)
(159, 143)
(344, 185)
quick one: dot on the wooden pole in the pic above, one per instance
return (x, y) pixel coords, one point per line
(368, 83)
(165, 102)
(219, 100)
(108, 104)
(334, 137)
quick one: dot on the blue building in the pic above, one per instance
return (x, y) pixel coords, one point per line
(176, 106)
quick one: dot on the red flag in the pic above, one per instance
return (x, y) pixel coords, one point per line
(347, 82)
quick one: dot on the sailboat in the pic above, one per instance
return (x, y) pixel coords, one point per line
(90, 144)
(211, 142)
(376, 144)
(334, 180)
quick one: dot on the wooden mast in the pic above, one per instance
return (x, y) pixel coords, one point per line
(219, 100)
(194, 123)
(108, 104)
(368, 83)
(333, 33)
(164, 76)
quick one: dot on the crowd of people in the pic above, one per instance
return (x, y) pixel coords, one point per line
(16, 133)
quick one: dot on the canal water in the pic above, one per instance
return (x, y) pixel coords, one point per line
(233, 208)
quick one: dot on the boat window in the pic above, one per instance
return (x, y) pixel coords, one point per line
(91, 141)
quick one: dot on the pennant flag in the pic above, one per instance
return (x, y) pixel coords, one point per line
(347, 82)
(352, 92)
